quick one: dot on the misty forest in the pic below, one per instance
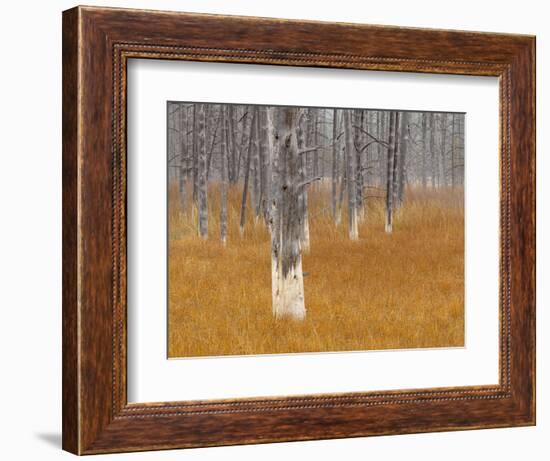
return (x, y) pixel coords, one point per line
(297, 229)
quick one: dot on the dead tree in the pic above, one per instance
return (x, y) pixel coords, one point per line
(389, 172)
(214, 138)
(396, 162)
(351, 176)
(424, 147)
(442, 148)
(259, 167)
(287, 276)
(255, 170)
(334, 174)
(266, 156)
(232, 172)
(403, 149)
(453, 147)
(432, 151)
(359, 118)
(195, 152)
(182, 170)
(247, 172)
(223, 176)
(302, 173)
(202, 186)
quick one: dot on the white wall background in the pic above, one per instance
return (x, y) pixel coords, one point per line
(30, 229)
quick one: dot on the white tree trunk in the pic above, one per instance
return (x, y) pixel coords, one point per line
(286, 261)
(334, 175)
(263, 139)
(202, 187)
(389, 174)
(247, 171)
(351, 177)
(223, 177)
(302, 197)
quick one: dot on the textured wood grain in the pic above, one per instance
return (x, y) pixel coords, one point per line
(97, 42)
(70, 391)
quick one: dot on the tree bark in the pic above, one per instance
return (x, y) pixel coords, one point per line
(223, 176)
(359, 121)
(443, 145)
(255, 195)
(233, 173)
(334, 177)
(389, 173)
(287, 276)
(214, 139)
(180, 140)
(351, 177)
(453, 145)
(302, 194)
(424, 145)
(432, 150)
(247, 172)
(195, 159)
(313, 140)
(403, 149)
(266, 170)
(202, 187)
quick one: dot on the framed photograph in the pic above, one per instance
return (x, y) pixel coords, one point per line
(282, 230)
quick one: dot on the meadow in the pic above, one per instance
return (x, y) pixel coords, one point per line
(384, 291)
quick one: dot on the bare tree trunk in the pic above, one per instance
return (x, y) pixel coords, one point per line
(242, 142)
(334, 178)
(389, 174)
(223, 176)
(233, 174)
(461, 149)
(202, 188)
(359, 121)
(247, 172)
(343, 185)
(287, 276)
(403, 140)
(424, 144)
(183, 158)
(396, 163)
(384, 119)
(443, 145)
(195, 153)
(261, 152)
(189, 145)
(432, 150)
(313, 140)
(266, 156)
(302, 195)
(453, 146)
(255, 196)
(351, 176)
(214, 139)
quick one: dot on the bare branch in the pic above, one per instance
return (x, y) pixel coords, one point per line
(175, 156)
(362, 149)
(309, 181)
(243, 117)
(385, 144)
(308, 149)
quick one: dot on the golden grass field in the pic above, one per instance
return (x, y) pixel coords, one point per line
(385, 291)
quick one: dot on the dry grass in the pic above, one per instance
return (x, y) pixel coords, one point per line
(404, 290)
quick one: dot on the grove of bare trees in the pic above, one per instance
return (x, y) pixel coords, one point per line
(276, 154)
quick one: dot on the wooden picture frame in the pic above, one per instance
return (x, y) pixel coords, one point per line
(97, 43)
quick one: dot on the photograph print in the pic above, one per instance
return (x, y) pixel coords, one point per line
(313, 229)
